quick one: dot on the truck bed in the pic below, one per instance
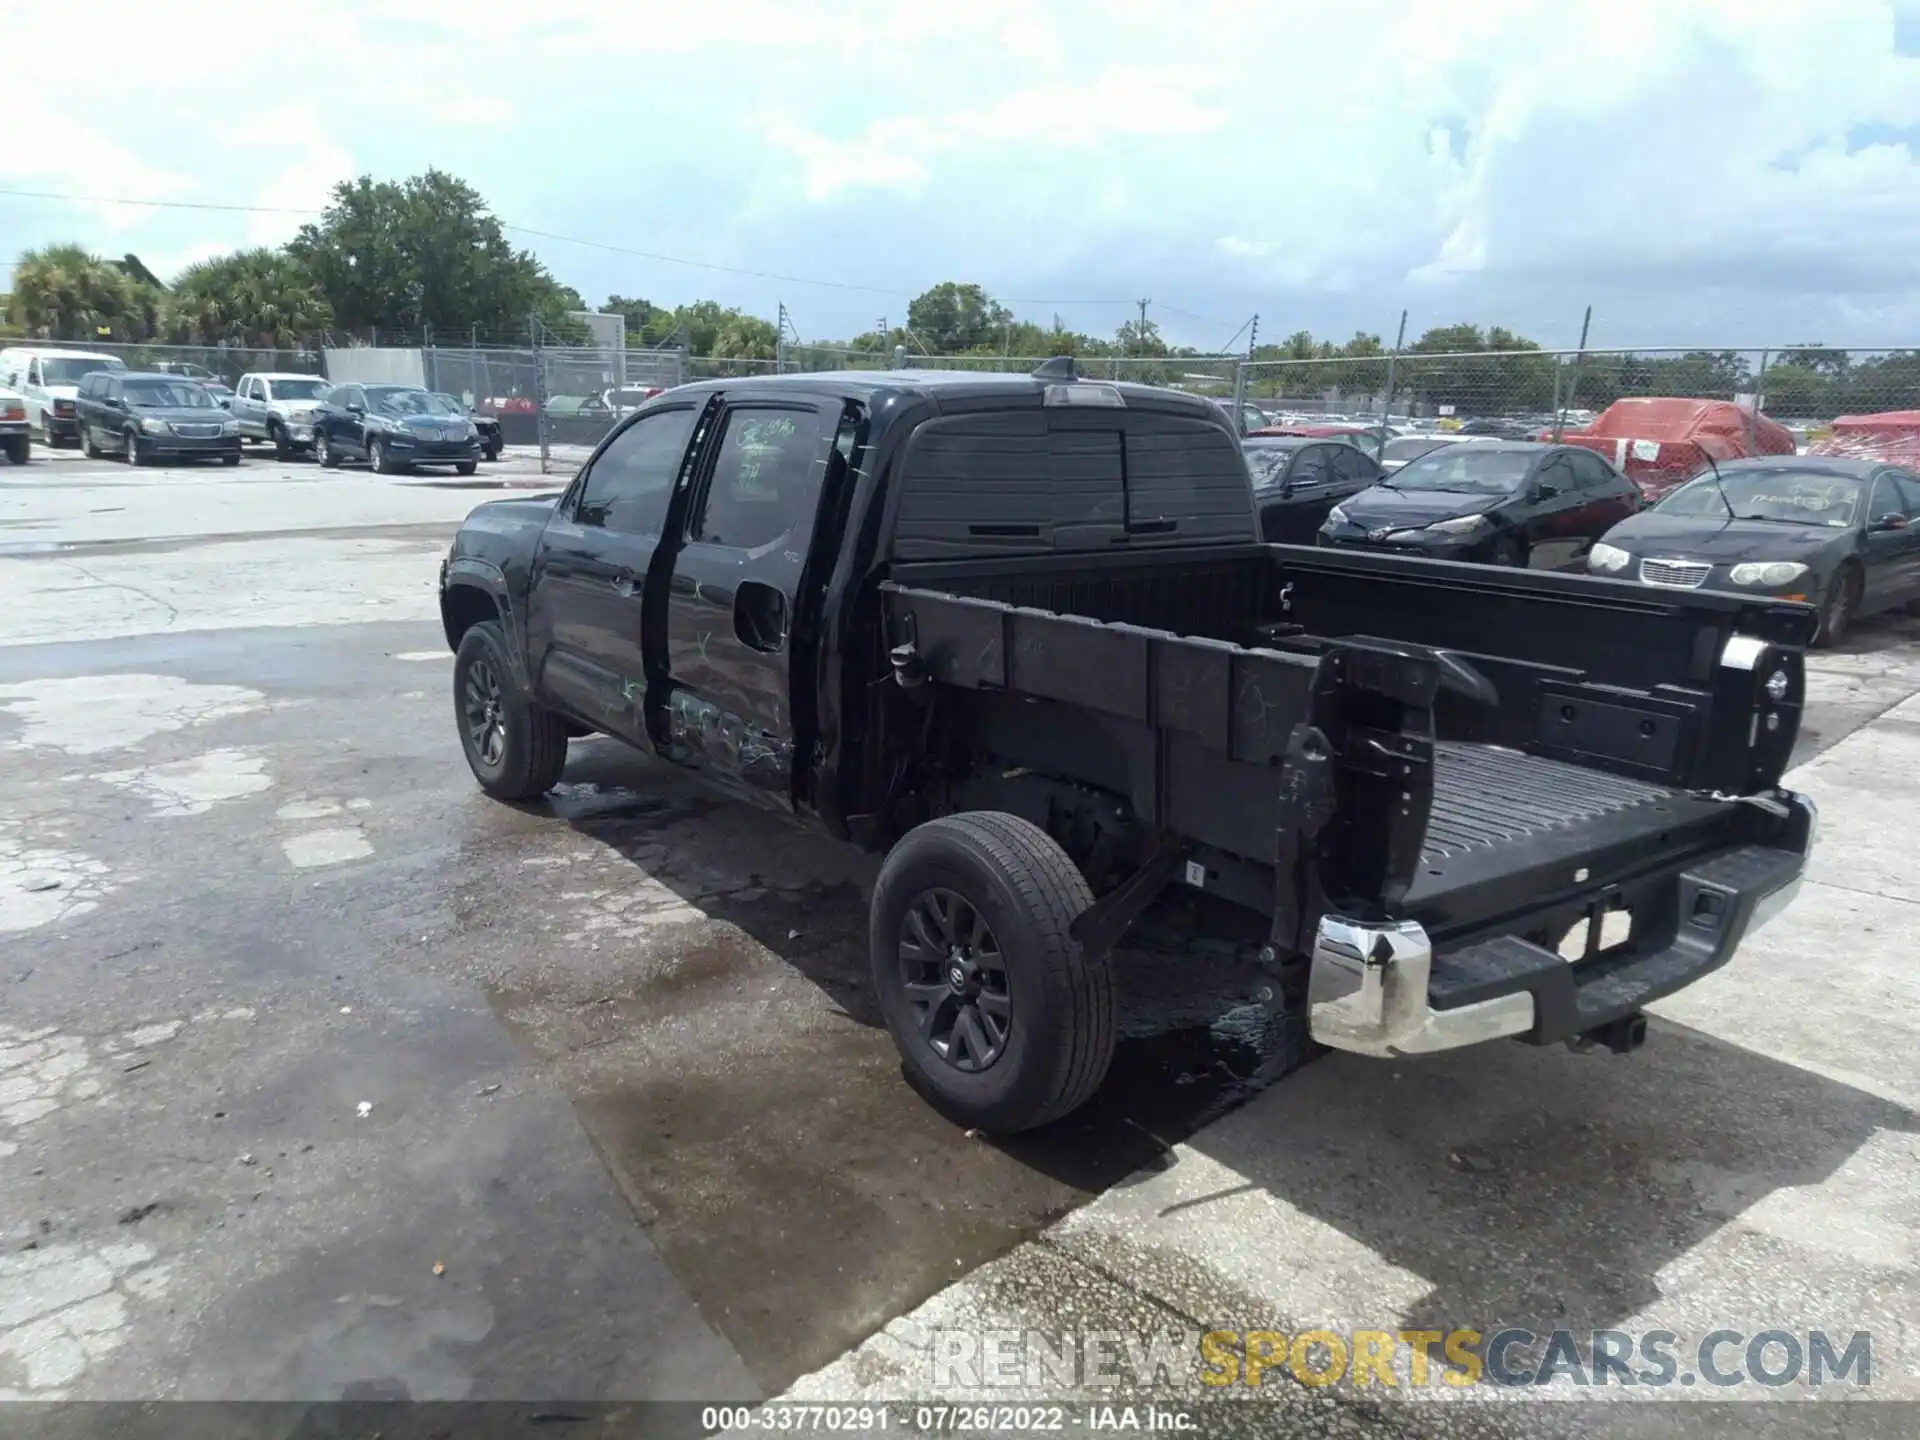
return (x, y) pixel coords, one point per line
(1509, 741)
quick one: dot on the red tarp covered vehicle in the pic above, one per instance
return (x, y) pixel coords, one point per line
(1661, 443)
(1891, 435)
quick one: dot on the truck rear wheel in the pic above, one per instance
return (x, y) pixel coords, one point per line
(999, 1015)
(515, 748)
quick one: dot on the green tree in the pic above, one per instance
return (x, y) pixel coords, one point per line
(1482, 374)
(64, 292)
(647, 323)
(257, 297)
(1140, 337)
(952, 318)
(708, 328)
(424, 251)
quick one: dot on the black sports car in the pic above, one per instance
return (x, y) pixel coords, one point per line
(1297, 480)
(1840, 534)
(1495, 502)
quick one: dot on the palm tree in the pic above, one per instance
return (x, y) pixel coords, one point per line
(259, 298)
(63, 292)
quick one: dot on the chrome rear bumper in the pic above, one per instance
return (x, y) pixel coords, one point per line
(1369, 984)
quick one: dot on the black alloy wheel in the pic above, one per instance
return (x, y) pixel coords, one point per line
(955, 978)
(483, 711)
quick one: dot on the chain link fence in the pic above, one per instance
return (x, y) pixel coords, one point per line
(564, 396)
(1532, 391)
(224, 364)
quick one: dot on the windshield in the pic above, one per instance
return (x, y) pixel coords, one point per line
(184, 394)
(1413, 447)
(1797, 497)
(403, 402)
(444, 405)
(1468, 470)
(69, 371)
(299, 389)
(631, 397)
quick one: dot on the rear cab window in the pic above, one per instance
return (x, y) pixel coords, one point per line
(1022, 478)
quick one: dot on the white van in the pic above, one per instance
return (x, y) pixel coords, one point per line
(47, 379)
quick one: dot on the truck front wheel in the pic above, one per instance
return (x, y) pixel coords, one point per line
(515, 748)
(1001, 1019)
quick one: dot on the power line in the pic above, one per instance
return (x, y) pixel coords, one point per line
(653, 255)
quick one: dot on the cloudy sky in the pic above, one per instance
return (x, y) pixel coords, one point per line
(1726, 172)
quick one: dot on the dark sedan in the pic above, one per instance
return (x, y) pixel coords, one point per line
(394, 428)
(1843, 535)
(148, 417)
(1296, 481)
(491, 443)
(1494, 502)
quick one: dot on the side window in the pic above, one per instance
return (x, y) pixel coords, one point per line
(766, 478)
(1590, 472)
(1354, 466)
(1907, 485)
(1312, 466)
(346, 397)
(89, 387)
(628, 486)
(1557, 476)
(1252, 418)
(1885, 498)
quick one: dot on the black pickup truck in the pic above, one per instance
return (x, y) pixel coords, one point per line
(1020, 633)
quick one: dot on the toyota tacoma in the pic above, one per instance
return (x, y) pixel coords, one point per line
(1020, 633)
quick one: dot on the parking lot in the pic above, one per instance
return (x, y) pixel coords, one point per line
(322, 1076)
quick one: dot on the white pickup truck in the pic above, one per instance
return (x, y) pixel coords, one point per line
(278, 408)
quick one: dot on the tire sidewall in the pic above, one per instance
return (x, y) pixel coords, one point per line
(1024, 1074)
(1845, 582)
(507, 779)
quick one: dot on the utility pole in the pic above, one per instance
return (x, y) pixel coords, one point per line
(780, 343)
(1253, 337)
(1141, 333)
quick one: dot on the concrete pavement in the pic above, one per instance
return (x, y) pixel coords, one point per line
(1753, 1168)
(624, 1089)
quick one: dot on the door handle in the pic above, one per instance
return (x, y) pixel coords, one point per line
(623, 584)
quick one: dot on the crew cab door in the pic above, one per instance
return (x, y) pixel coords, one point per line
(243, 409)
(587, 586)
(727, 704)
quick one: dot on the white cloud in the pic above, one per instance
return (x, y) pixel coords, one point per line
(303, 184)
(1237, 149)
(895, 152)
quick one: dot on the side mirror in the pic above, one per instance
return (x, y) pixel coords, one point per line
(1894, 521)
(354, 407)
